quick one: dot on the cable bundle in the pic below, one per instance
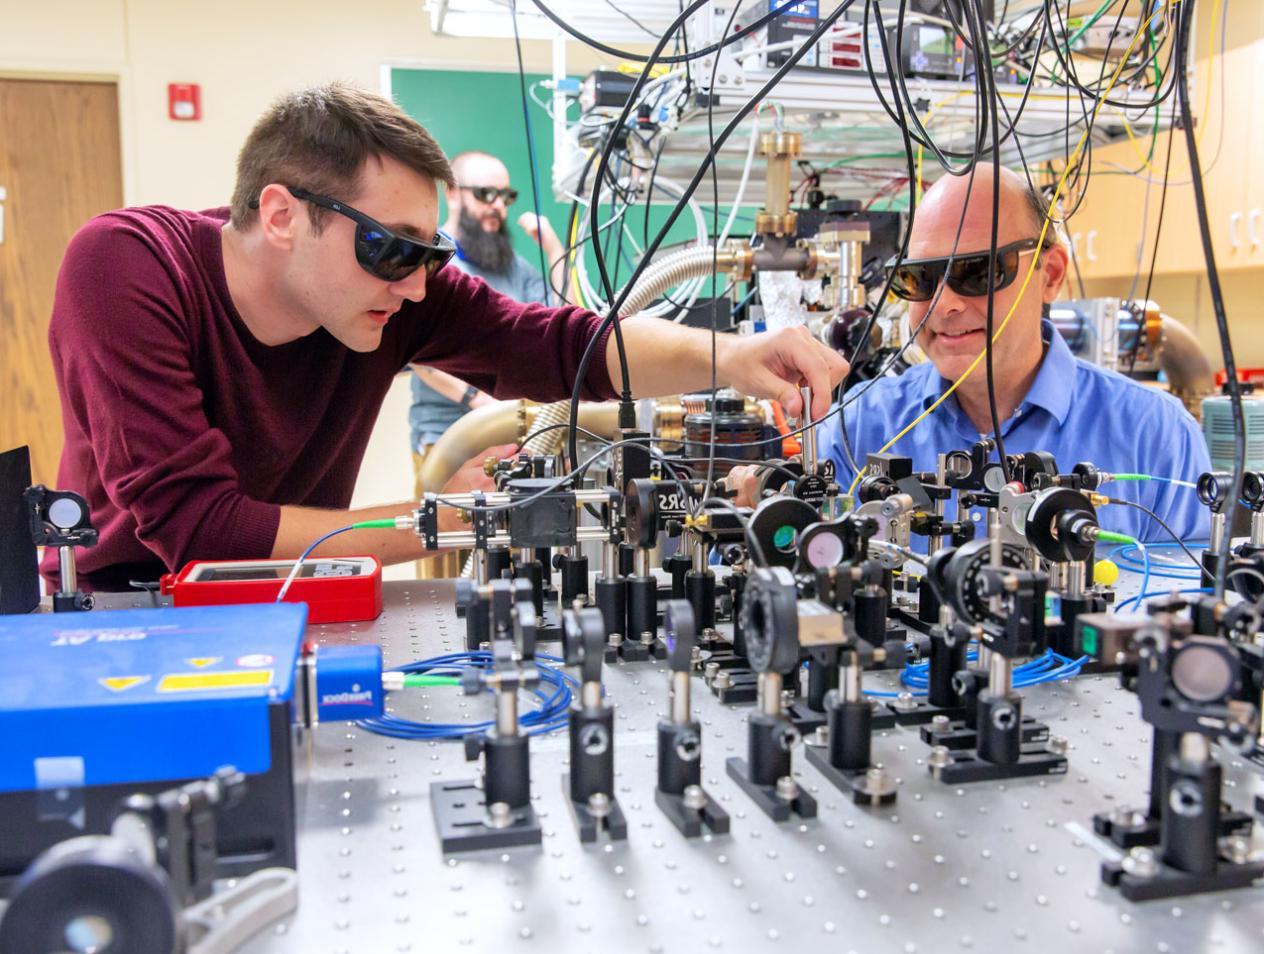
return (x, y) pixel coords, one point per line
(555, 693)
(1048, 667)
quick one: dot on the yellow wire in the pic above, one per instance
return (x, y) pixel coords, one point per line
(1211, 66)
(1031, 269)
(577, 296)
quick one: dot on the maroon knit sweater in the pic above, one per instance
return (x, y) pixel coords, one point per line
(185, 434)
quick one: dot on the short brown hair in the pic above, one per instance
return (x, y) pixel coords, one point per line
(319, 138)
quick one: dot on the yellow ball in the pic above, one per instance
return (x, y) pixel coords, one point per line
(1105, 571)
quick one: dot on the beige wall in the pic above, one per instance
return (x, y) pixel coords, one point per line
(242, 53)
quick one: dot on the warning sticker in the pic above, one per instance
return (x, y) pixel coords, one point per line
(122, 683)
(201, 662)
(210, 681)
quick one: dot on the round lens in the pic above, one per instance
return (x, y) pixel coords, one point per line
(823, 550)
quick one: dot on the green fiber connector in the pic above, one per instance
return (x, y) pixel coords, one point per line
(422, 682)
(1109, 536)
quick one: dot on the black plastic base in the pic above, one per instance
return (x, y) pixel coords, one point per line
(1035, 760)
(765, 796)
(590, 826)
(691, 821)
(808, 720)
(958, 738)
(1140, 831)
(1171, 883)
(743, 688)
(923, 712)
(460, 814)
(857, 785)
(633, 651)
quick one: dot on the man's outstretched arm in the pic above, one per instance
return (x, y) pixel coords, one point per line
(667, 358)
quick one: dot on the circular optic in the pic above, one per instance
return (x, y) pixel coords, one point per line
(89, 934)
(784, 538)
(1202, 673)
(64, 513)
(823, 550)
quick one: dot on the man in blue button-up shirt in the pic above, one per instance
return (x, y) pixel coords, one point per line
(1047, 399)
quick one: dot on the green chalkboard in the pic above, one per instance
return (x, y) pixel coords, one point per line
(469, 109)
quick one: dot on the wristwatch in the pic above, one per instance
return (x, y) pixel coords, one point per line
(471, 392)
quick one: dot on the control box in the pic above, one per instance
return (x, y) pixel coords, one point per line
(335, 589)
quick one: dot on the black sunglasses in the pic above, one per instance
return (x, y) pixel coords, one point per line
(489, 194)
(967, 275)
(381, 252)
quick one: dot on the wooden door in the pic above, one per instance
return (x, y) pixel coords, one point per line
(59, 166)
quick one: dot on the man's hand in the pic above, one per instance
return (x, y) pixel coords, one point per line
(538, 230)
(743, 480)
(776, 364)
(472, 477)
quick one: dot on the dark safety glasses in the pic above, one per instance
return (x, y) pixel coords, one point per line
(967, 275)
(489, 194)
(381, 252)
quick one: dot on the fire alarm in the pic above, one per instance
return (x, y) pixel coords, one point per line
(184, 101)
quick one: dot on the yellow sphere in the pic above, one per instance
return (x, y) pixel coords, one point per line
(1105, 571)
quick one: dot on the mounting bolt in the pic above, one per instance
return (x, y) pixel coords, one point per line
(904, 702)
(499, 815)
(599, 804)
(694, 797)
(940, 723)
(1141, 862)
(722, 680)
(709, 672)
(787, 788)
(1058, 745)
(940, 756)
(1238, 850)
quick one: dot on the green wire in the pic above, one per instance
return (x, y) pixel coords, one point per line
(422, 682)
(388, 524)
(1131, 477)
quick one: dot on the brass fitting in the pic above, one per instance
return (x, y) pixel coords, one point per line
(489, 466)
(669, 422)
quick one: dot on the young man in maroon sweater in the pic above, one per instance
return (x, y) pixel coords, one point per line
(220, 371)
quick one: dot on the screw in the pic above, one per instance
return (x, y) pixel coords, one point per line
(819, 738)
(1238, 850)
(1057, 745)
(905, 702)
(722, 680)
(694, 797)
(709, 672)
(599, 804)
(1141, 862)
(787, 788)
(695, 657)
(499, 815)
(939, 757)
(616, 640)
(940, 723)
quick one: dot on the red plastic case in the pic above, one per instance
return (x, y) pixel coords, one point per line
(335, 589)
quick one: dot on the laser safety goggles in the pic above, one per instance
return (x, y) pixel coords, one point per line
(381, 252)
(489, 194)
(967, 275)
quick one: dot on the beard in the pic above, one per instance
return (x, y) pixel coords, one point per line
(491, 251)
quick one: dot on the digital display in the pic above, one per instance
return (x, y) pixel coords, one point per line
(236, 574)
